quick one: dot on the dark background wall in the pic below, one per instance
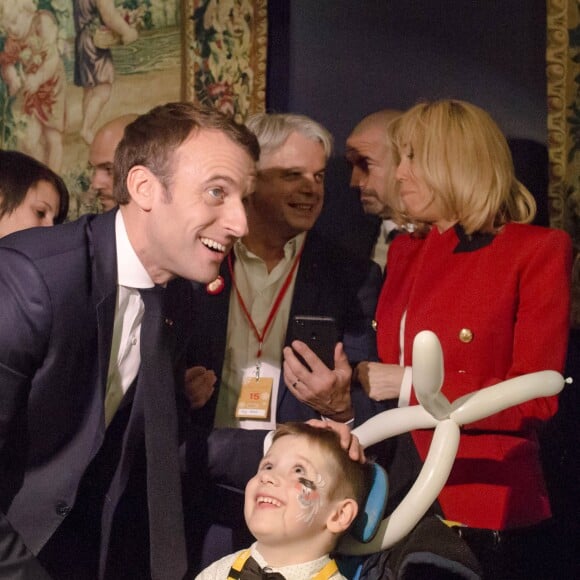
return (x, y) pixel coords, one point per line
(338, 60)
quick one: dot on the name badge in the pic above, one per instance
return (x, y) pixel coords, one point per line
(255, 397)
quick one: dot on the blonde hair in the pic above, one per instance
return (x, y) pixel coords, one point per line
(465, 161)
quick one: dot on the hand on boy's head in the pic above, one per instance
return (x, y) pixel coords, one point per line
(348, 441)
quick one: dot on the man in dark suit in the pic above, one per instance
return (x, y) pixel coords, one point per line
(243, 320)
(92, 362)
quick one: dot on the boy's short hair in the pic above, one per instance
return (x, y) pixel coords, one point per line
(352, 479)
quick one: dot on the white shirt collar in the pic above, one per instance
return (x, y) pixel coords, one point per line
(130, 270)
(291, 247)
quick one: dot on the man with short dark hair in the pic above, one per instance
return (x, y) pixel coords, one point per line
(93, 325)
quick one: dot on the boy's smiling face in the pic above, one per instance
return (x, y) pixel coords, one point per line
(287, 501)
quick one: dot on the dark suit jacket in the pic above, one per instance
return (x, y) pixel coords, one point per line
(57, 302)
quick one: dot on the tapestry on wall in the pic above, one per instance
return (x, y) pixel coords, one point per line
(225, 54)
(64, 73)
(563, 71)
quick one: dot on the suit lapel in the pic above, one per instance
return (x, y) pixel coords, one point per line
(210, 318)
(307, 289)
(211, 312)
(306, 297)
(103, 248)
(221, 308)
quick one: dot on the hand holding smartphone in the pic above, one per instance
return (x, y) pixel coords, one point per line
(319, 333)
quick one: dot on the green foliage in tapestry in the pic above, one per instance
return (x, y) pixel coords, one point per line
(7, 140)
(222, 72)
(143, 8)
(45, 5)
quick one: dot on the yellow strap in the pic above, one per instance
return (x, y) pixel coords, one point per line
(238, 564)
(327, 572)
(452, 524)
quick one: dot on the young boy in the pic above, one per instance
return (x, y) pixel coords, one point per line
(304, 497)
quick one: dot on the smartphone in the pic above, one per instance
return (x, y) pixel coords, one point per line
(320, 333)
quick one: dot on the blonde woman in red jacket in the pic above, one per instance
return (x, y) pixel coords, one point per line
(495, 290)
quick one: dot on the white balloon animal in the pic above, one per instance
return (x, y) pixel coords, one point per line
(435, 411)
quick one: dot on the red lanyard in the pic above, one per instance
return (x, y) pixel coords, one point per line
(261, 336)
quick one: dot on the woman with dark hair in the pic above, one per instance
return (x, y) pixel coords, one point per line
(31, 194)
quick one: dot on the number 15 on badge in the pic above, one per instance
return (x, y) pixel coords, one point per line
(254, 401)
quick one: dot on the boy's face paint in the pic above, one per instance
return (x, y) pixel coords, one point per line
(287, 500)
(309, 497)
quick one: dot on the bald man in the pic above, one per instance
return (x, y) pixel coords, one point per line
(101, 154)
(369, 153)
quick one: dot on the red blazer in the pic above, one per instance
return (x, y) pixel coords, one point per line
(500, 307)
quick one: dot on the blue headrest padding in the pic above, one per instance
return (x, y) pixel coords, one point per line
(370, 516)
